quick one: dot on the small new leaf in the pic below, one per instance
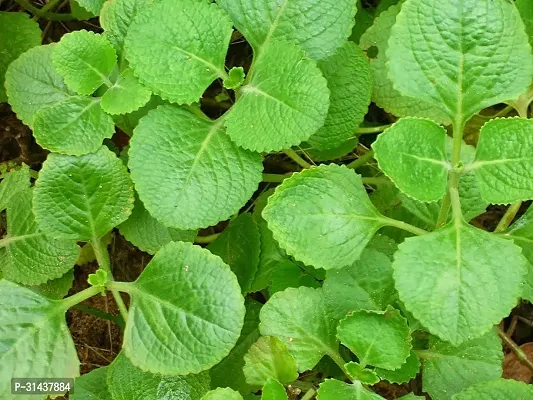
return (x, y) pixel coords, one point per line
(363, 375)
(99, 278)
(235, 78)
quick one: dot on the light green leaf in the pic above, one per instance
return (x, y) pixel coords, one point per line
(448, 370)
(405, 373)
(460, 56)
(320, 27)
(239, 247)
(179, 38)
(269, 358)
(332, 389)
(18, 33)
(145, 232)
(287, 274)
(180, 187)
(350, 83)
(100, 195)
(273, 390)
(284, 102)
(367, 284)
(127, 382)
(412, 396)
(301, 319)
(376, 39)
(378, 338)
(76, 126)
(34, 338)
(526, 12)
(92, 6)
(85, 60)
(56, 289)
(357, 372)
(499, 389)
(80, 13)
(504, 160)
(444, 277)
(412, 153)
(28, 255)
(322, 216)
(99, 278)
(32, 83)
(235, 78)
(186, 311)
(126, 95)
(92, 386)
(229, 372)
(222, 394)
(13, 182)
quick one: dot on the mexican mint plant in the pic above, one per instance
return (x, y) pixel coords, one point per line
(332, 283)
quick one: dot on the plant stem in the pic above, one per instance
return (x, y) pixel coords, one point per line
(79, 297)
(206, 239)
(372, 129)
(404, 226)
(444, 210)
(297, 159)
(515, 348)
(508, 217)
(275, 178)
(40, 14)
(309, 394)
(362, 160)
(101, 314)
(375, 180)
(103, 261)
(339, 361)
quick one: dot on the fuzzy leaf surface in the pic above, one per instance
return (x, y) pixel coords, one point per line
(222, 394)
(273, 390)
(56, 289)
(499, 389)
(126, 95)
(92, 386)
(405, 373)
(92, 6)
(332, 389)
(12, 182)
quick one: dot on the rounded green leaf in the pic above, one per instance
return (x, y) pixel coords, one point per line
(409, 370)
(356, 372)
(380, 339)
(34, 338)
(526, 12)
(145, 232)
(178, 47)
(92, 386)
(285, 101)
(33, 83)
(76, 126)
(199, 177)
(286, 274)
(12, 182)
(92, 6)
(448, 370)
(322, 216)
(446, 53)
(83, 197)
(350, 84)
(301, 319)
(499, 389)
(443, 279)
(126, 95)
(319, 26)
(85, 60)
(235, 78)
(222, 394)
(18, 33)
(376, 39)
(332, 389)
(186, 311)
(412, 153)
(273, 390)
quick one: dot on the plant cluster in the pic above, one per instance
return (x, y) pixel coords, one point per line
(305, 274)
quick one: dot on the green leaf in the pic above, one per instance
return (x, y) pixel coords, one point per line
(100, 195)
(126, 95)
(499, 389)
(412, 396)
(235, 78)
(13, 182)
(273, 390)
(28, 255)
(80, 13)
(148, 234)
(76, 126)
(448, 370)
(446, 53)
(222, 394)
(18, 33)
(285, 101)
(405, 373)
(85, 60)
(350, 83)
(526, 12)
(32, 83)
(186, 311)
(412, 153)
(56, 289)
(376, 39)
(287, 274)
(269, 358)
(320, 28)
(504, 161)
(92, 6)
(229, 372)
(184, 38)
(239, 247)
(92, 386)
(301, 319)
(181, 187)
(367, 284)
(357, 372)
(332, 389)
(378, 338)
(322, 216)
(99, 278)
(444, 277)
(127, 382)
(34, 338)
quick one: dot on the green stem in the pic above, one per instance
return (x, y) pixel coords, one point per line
(508, 217)
(309, 394)
(297, 159)
(101, 314)
(49, 6)
(85, 294)
(126, 287)
(372, 129)
(46, 15)
(103, 261)
(340, 362)
(362, 160)
(522, 357)
(275, 178)
(375, 180)
(404, 226)
(444, 210)
(206, 239)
